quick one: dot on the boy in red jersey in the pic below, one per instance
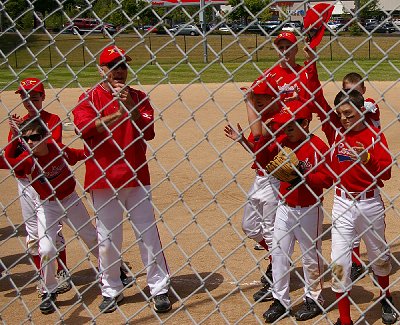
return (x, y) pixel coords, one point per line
(361, 161)
(32, 94)
(262, 199)
(372, 117)
(299, 215)
(46, 167)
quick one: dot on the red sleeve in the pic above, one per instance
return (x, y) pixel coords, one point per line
(380, 161)
(72, 156)
(320, 176)
(267, 148)
(22, 164)
(145, 122)
(56, 128)
(11, 148)
(85, 116)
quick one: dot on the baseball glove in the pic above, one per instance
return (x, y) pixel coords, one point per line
(283, 165)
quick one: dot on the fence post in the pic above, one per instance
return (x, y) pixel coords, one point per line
(83, 54)
(16, 58)
(256, 47)
(151, 52)
(51, 64)
(330, 45)
(369, 49)
(222, 53)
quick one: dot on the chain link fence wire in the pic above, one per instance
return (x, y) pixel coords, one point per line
(200, 178)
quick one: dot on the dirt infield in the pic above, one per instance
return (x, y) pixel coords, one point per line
(200, 180)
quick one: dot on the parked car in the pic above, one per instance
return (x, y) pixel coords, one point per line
(89, 25)
(333, 25)
(292, 26)
(381, 28)
(268, 27)
(185, 30)
(150, 29)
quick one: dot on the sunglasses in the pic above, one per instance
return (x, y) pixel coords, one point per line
(115, 66)
(33, 137)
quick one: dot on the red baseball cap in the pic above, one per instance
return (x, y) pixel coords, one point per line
(111, 53)
(261, 87)
(294, 110)
(287, 36)
(314, 20)
(31, 84)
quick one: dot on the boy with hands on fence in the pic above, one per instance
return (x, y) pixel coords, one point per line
(299, 215)
(46, 166)
(32, 94)
(259, 211)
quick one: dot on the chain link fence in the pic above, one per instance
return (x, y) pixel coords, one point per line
(200, 179)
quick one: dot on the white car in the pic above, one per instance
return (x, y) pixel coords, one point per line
(333, 25)
(185, 30)
(292, 26)
(224, 29)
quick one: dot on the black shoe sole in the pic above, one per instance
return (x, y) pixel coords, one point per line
(162, 311)
(304, 319)
(47, 311)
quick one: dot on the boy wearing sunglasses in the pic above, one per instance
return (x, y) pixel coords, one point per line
(115, 121)
(46, 166)
(32, 95)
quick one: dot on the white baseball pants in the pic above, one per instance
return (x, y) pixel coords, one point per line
(110, 207)
(260, 209)
(303, 224)
(31, 209)
(71, 210)
(350, 218)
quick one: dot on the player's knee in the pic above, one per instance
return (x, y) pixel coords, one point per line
(382, 266)
(32, 247)
(339, 277)
(48, 252)
(252, 231)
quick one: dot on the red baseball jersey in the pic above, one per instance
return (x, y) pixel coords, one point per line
(49, 174)
(116, 156)
(355, 176)
(54, 126)
(285, 82)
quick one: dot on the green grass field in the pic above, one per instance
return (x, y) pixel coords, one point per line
(69, 60)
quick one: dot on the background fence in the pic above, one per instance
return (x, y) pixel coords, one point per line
(200, 178)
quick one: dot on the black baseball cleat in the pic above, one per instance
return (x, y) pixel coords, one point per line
(275, 311)
(308, 310)
(389, 315)
(264, 294)
(109, 304)
(356, 272)
(268, 275)
(338, 322)
(126, 280)
(162, 304)
(48, 304)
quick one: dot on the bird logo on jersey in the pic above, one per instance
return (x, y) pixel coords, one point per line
(344, 154)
